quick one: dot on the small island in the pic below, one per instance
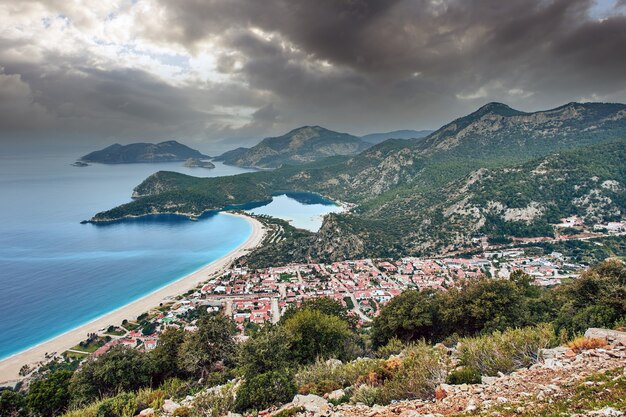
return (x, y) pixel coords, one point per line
(198, 163)
(80, 164)
(169, 151)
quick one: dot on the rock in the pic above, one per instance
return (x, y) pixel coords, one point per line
(336, 394)
(552, 353)
(471, 406)
(502, 400)
(440, 393)
(170, 406)
(148, 412)
(612, 336)
(606, 411)
(569, 353)
(231, 414)
(409, 413)
(311, 403)
(333, 363)
(488, 380)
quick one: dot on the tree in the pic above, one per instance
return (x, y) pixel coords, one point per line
(410, 316)
(313, 334)
(262, 391)
(212, 345)
(120, 369)
(484, 305)
(164, 357)
(324, 305)
(50, 396)
(267, 350)
(11, 404)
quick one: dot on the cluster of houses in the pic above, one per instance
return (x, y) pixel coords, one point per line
(256, 296)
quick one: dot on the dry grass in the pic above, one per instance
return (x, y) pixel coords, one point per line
(585, 343)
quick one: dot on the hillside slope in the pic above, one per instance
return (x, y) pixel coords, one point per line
(494, 171)
(376, 138)
(305, 144)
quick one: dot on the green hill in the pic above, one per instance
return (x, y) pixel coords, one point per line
(302, 145)
(479, 174)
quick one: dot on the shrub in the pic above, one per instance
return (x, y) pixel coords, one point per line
(325, 376)
(122, 405)
(174, 388)
(506, 351)
(314, 335)
(585, 343)
(393, 347)
(182, 412)
(148, 398)
(214, 402)
(264, 390)
(367, 395)
(417, 376)
(463, 376)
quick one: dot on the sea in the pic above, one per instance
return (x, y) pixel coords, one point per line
(57, 274)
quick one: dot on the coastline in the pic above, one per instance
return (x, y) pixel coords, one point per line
(9, 367)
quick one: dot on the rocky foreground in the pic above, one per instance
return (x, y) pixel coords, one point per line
(565, 382)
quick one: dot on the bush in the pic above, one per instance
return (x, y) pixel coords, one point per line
(463, 376)
(262, 391)
(122, 405)
(314, 335)
(367, 395)
(149, 398)
(585, 343)
(417, 376)
(506, 351)
(182, 412)
(214, 402)
(174, 388)
(325, 376)
(393, 347)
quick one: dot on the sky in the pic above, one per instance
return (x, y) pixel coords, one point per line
(216, 74)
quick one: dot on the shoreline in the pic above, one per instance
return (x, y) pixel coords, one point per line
(9, 367)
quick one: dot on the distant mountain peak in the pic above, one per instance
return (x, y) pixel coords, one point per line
(495, 107)
(300, 145)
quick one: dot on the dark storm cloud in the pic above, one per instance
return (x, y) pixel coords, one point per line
(530, 53)
(351, 65)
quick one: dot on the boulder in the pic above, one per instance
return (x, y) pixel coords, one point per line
(148, 412)
(311, 403)
(611, 336)
(170, 406)
(336, 394)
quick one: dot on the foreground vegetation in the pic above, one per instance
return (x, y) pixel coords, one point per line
(501, 325)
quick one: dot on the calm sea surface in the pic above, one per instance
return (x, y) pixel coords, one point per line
(56, 274)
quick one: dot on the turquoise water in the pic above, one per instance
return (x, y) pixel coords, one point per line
(56, 274)
(302, 210)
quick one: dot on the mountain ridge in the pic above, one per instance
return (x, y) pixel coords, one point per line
(298, 146)
(404, 190)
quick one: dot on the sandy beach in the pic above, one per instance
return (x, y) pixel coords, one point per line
(9, 367)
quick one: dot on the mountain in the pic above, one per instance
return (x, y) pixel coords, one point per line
(143, 152)
(376, 138)
(302, 145)
(473, 177)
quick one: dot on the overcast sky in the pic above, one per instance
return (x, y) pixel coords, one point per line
(213, 73)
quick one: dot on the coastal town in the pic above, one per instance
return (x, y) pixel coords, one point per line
(252, 297)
